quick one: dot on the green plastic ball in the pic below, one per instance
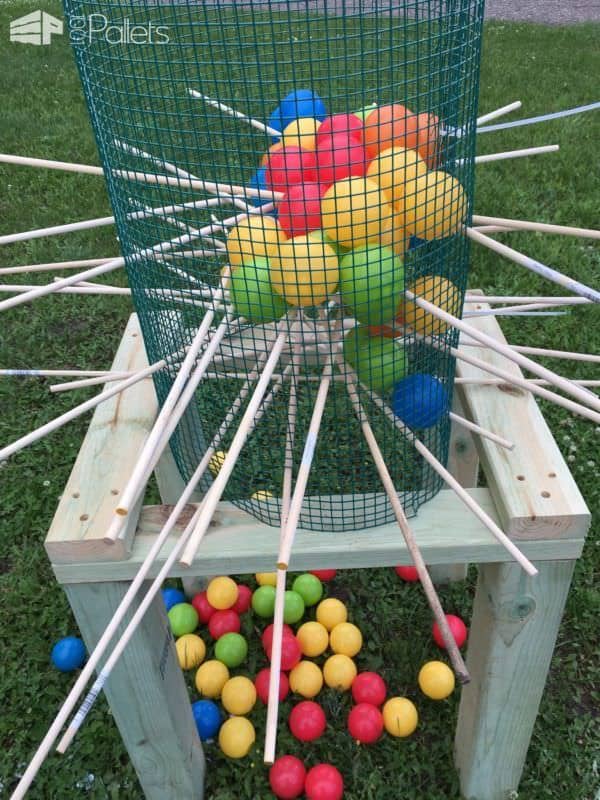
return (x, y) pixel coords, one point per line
(293, 607)
(371, 283)
(263, 601)
(379, 363)
(363, 113)
(231, 649)
(252, 295)
(309, 587)
(183, 619)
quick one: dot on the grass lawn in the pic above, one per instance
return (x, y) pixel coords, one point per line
(43, 114)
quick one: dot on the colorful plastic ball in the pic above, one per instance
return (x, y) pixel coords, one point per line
(191, 651)
(306, 679)
(354, 211)
(420, 400)
(396, 170)
(290, 166)
(313, 639)
(222, 622)
(286, 778)
(428, 138)
(390, 126)
(257, 236)
(339, 672)
(372, 283)
(244, 600)
(266, 578)
(346, 638)
(309, 587)
(300, 210)
(290, 653)
(331, 612)
(208, 718)
(400, 716)
(183, 619)
(298, 103)
(293, 607)
(348, 125)
(263, 601)
(324, 575)
(231, 649)
(203, 607)
(437, 290)
(324, 782)
(305, 270)
(379, 362)
(307, 721)
(275, 148)
(436, 680)
(267, 635)
(238, 696)
(457, 628)
(252, 295)
(261, 494)
(261, 682)
(172, 597)
(301, 132)
(408, 574)
(222, 592)
(365, 723)
(216, 462)
(68, 654)
(437, 207)
(236, 737)
(339, 157)
(369, 687)
(257, 181)
(211, 678)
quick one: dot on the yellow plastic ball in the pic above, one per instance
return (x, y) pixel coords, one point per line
(436, 208)
(256, 236)
(394, 236)
(236, 737)
(313, 639)
(331, 612)
(266, 578)
(222, 592)
(339, 672)
(238, 696)
(305, 270)
(216, 461)
(262, 494)
(400, 716)
(346, 638)
(436, 680)
(301, 132)
(306, 679)
(396, 171)
(437, 290)
(191, 651)
(211, 678)
(354, 211)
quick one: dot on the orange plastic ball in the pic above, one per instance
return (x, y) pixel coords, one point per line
(390, 126)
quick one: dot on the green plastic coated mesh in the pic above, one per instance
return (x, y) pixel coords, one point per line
(363, 198)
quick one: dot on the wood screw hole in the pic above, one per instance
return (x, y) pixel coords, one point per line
(552, 474)
(545, 494)
(75, 495)
(84, 517)
(520, 477)
(114, 491)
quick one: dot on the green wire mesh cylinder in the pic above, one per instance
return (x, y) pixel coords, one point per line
(393, 224)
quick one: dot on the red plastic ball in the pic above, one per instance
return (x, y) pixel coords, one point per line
(290, 166)
(203, 607)
(261, 684)
(324, 782)
(286, 777)
(348, 125)
(223, 622)
(457, 627)
(409, 574)
(307, 721)
(369, 687)
(300, 211)
(267, 635)
(324, 574)
(365, 723)
(290, 653)
(338, 158)
(244, 601)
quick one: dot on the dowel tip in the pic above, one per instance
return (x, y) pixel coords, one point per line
(463, 678)
(122, 512)
(282, 565)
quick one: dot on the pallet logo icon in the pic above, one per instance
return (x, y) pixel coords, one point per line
(36, 28)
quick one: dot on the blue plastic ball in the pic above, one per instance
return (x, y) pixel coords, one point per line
(299, 103)
(68, 654)
(207, 717)
(420, 400)
(172, 597)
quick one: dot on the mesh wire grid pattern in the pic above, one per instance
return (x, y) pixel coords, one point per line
(249, 55)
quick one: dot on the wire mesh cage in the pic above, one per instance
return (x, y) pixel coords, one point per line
(294, 168)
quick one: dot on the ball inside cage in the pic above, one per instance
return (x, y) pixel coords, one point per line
(299, 170)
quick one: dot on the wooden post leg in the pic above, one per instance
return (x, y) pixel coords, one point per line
(147, 695)
(513, 632)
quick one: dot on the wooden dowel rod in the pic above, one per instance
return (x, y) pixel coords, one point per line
(525, 384)
(541, 227)
(85, 382)
(506, 154)
(260, 126)
(516, 310)
(574, 300)
(472, 426)
(89, 262)
(57, 230)
(62, 373)
(19, 289)
(498, 112)
(64, 166)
